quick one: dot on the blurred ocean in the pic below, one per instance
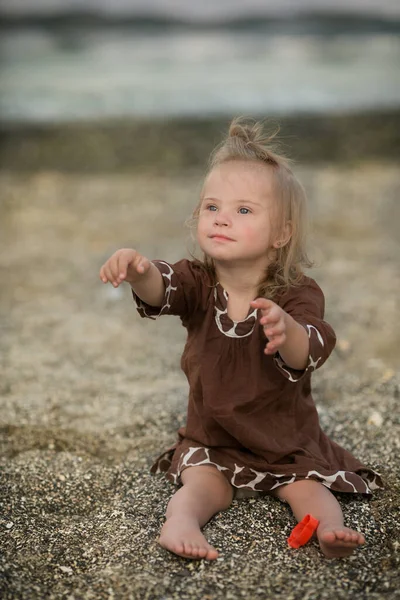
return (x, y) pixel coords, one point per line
(140, 61)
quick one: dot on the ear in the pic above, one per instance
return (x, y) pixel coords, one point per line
(284, 236)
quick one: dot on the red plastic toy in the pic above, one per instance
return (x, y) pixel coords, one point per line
(303, 532)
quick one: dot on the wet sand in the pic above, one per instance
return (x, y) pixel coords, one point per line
(91, 393)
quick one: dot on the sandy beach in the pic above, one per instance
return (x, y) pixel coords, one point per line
(91, 393)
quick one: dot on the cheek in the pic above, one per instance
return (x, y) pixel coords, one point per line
(202, 228)
(250, 232)
(255, 234)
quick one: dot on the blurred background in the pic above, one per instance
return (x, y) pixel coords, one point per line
(178, 68)
(135, 58)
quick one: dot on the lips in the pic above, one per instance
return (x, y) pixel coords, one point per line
(223, 238)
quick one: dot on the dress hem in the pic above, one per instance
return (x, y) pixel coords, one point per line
(360, 481)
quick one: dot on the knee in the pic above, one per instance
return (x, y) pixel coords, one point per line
(299, 489)
(208, 480)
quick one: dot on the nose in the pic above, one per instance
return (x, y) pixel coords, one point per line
(221, 219)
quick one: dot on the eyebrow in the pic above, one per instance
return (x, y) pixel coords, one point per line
(239, 201)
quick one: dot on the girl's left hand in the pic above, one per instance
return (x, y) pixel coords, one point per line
(273, 320)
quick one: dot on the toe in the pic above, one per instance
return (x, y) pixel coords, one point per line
(328, 536)
(212, 554)
(187, 548)
(177, 548)
(351, 538)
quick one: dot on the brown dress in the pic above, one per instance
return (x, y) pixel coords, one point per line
(249, 414)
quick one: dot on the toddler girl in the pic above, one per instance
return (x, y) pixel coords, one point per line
(255, 332)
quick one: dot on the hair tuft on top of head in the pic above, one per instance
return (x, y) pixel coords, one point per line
(248, 139)
(250, 131)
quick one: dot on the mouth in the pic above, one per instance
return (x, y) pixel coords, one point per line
(222, 238)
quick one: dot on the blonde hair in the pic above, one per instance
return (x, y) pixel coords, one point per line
(246, 141)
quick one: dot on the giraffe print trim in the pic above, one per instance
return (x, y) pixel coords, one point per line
(144, 309)
(243, 477)
(226, 325)
(316, 341)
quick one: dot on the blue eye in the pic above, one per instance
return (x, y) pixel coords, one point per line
(212, 207)
(244, 211)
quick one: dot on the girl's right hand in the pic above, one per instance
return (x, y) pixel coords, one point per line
(124, 265)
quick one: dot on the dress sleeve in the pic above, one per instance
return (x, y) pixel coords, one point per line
(306, 304)
(186, 285)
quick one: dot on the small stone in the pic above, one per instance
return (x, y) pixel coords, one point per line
(66, 570)
(376, 419)
(9, 525)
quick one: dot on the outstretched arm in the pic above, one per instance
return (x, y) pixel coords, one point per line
(284, 334)
(134, 268)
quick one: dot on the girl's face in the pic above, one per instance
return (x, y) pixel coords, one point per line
(236, 212)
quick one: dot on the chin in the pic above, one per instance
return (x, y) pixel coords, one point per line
(221, 258)
(216, 252)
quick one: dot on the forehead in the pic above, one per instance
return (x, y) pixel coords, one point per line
(239, 179)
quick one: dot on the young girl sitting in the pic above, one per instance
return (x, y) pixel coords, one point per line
(255, 332)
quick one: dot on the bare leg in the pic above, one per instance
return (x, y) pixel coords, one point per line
(205, 492)
(311, 497)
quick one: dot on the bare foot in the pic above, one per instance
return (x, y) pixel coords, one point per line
(182, 536)
(338, 542)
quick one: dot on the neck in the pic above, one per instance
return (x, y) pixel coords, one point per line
(242, 278)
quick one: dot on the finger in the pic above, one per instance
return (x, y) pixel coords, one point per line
(269, 319)
(124, 259)
(112, 267)
(269, 349)
(102, 275)
(271, 330)
(262, 303)
(109, 275)
(274, 344)
(144, 265)
(105, 273)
